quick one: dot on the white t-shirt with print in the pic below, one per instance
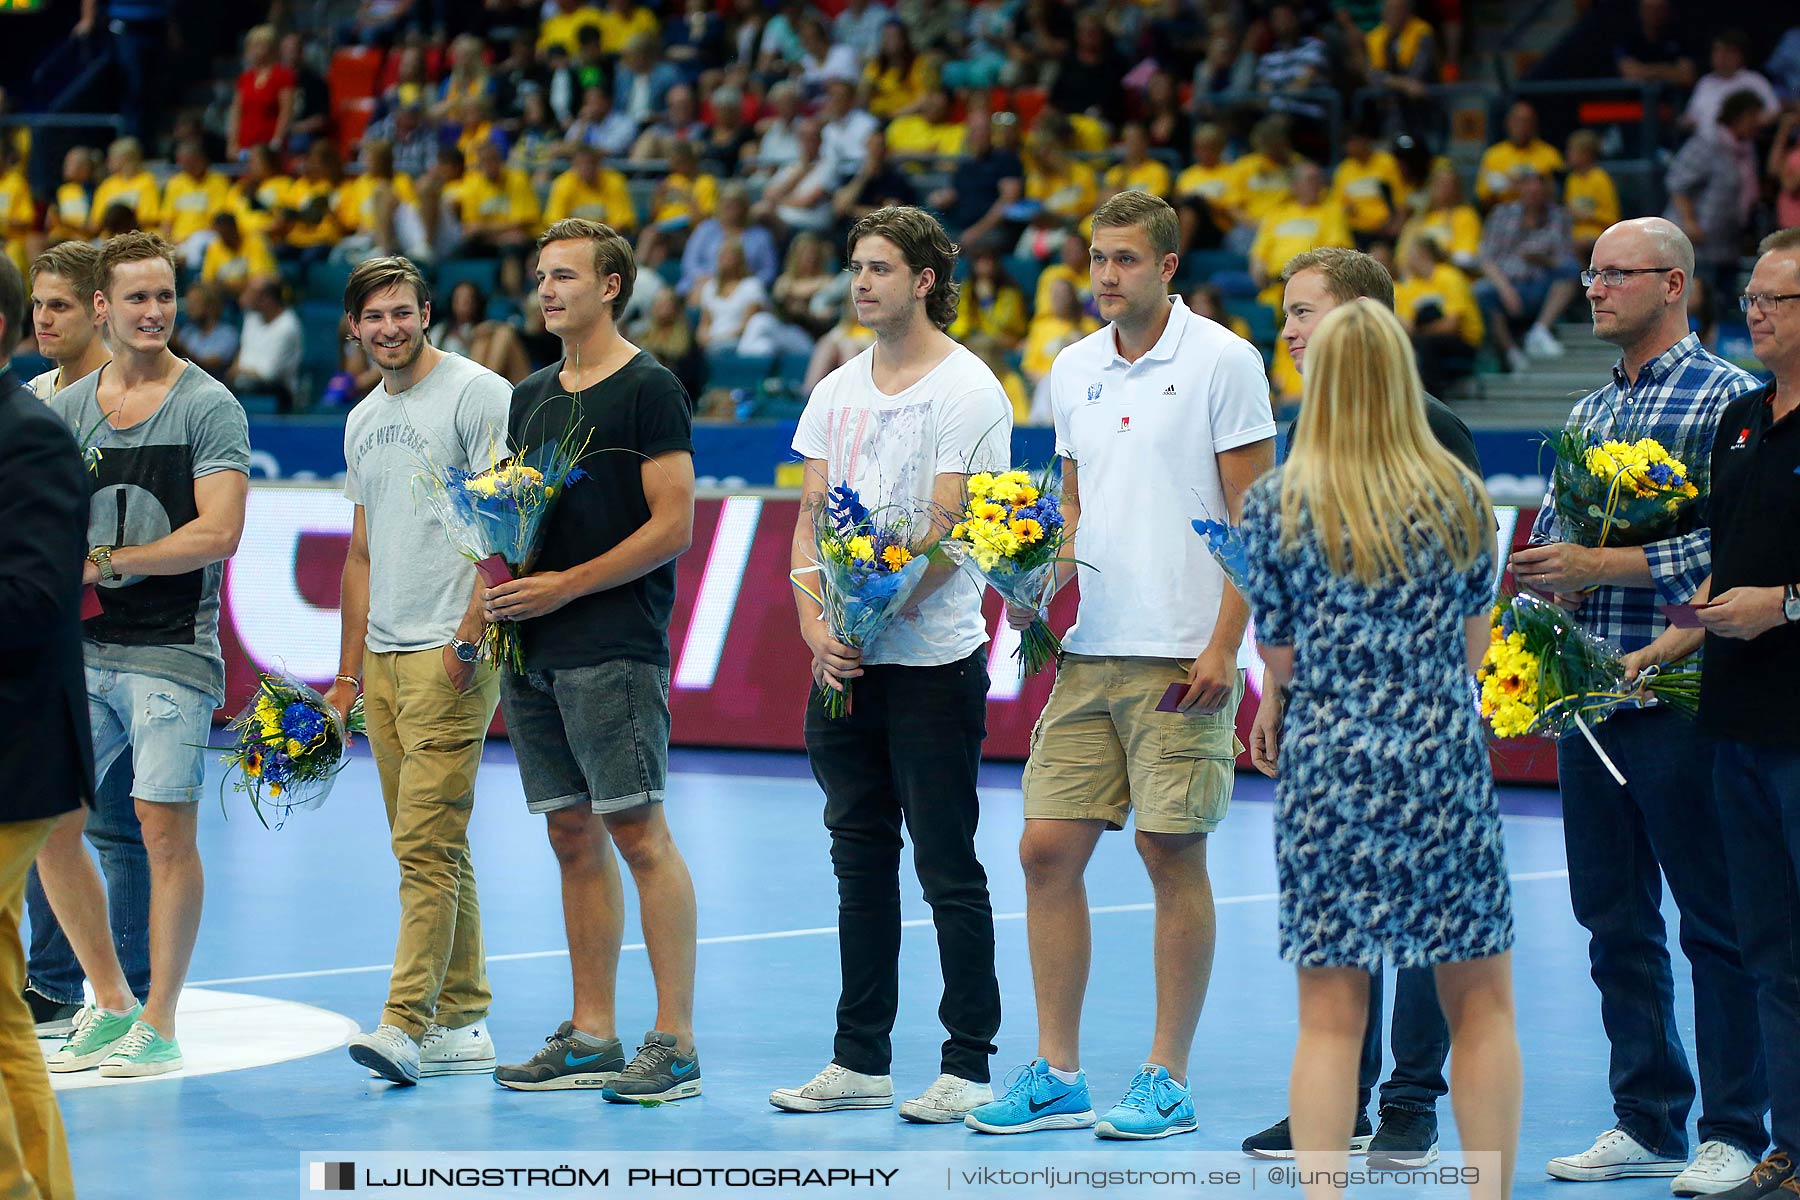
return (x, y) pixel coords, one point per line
(1144, 437)
(891, 449)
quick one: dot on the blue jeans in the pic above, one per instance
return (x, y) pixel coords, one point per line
(1621, 843)
(112, 826)
(1421, 1040)
(1759, 811)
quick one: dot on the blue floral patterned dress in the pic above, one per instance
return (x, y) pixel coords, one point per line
(1387, 833)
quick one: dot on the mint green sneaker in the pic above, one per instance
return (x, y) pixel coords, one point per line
(143, 1051)
(97, 1032)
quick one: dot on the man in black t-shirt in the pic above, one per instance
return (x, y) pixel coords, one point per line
(1751, 631)
(589, 714)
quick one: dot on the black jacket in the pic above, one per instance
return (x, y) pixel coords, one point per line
(46, 750)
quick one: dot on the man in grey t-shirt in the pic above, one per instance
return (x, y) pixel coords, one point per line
(412, 629)
(167, 510)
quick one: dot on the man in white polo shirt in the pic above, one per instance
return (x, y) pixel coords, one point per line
(1163, 413)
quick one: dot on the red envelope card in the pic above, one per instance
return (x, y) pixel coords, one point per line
(1171, 701)
(90, 602)
(1682, 616)
(493, 568)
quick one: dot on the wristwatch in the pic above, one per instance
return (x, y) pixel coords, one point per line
(1790, 602)
(101, 556)
(466, 651)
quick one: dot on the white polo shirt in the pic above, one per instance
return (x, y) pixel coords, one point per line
(1144, 437)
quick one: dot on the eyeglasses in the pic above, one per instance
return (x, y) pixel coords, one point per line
(1765, 301)
(1614, 276)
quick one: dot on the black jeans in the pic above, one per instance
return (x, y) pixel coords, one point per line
(1621, 843)
(908, 751)
(1421, 1041)
(1759, 811)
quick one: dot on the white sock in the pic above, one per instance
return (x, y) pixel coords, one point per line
(1068, 1077)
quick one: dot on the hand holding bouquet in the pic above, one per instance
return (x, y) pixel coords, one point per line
(1010, 533)
(290, 746)
(1227, 549)
(1615, 491)
(867, 569)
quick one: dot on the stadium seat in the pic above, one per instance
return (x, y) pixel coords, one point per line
(1258, 316)
(259, 404)
(1200, 266)
(349, 121)
(1024, 271)
(1236, 285)
(319, 353)
(353, 74)
(326, 280)
(727, 369)
(669, 269)
(791, 369)
(484, 272)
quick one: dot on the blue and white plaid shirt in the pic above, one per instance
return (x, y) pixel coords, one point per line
(1678, 399)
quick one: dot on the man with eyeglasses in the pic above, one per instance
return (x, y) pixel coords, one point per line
(1622, 840)
(1752, 637)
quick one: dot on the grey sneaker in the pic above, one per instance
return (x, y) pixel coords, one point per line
(564, 1064)
(658, 1073)
(50, 1018)
(389, 1052)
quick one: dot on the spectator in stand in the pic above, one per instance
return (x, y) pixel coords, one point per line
(897, 78)
(72, 211)
(728, 298)
(724, 137)
(1448, 220)
(642, 84)
(1588, 193)
(1497, 177)
(128, 183)
(1434, 301)
(931, 132)
(1164, 121)
(379, 22)
(798, 196)
(1367, 186)
(1308, 221)
(686, 195)
(202, 336)
(310, 117)
(440, 204)
(378, 210)
(412, 85)
(1400, 57)
(538, 141)
(991, 305)
(780, 49)
(592, 192)
(1714, 185)
(804, 277)
(1655, 51)
(306, 223)
(679, 121)
(1783, 66)
(1209, 302)
(986, 181)
(731, 223)
(1206, 192)
(878, 183)
(844, 130)
(843, 342)
(570, 79)
(621, 20)
(696, 43)
(519, 74)
(1730, 73)
(474, 125)
(1264, 177)
(1090, 78)
(999, 360)
(778, 143)
(262, 106)
(1295, 61)
(190, 198)
(1136, 170)
(601, 127)
(1228, 68)
(1784, 170)
(822, 59)
(564, 24)
(413, 138)
(1529, 269)
(468, 77)
(669, 336)
(1065, 188)
(1072, 267)
(1042, 33)
(500, 215)
(268, 358)
(859, 28)
(466, 330)
(235, 256)
(1063, 323)
(258, 194)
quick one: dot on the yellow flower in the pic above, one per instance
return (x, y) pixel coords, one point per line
(861, 546)
(959, 531)
(483, 485)
(896, 557)
(1029, 531)
(274, 789)
(295, 749)
(981, 486)
(987, 510)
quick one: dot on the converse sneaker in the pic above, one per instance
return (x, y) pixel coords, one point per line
(836, 1087)
(1155, 1106)
(141, 1052)
(96, 1033)
(464, 1051)
(947, 1100)
(389, 1052)
(1717, 1167)
(1277, 1142)
(657, 1074)
(50, 1018)
(567, 1061)
(1035, 1099)
(1615, 1154)
(1772, 1178)
(1406, 1138)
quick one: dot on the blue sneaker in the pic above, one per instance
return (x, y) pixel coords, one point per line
(1035, 1099)
(1155, 1106)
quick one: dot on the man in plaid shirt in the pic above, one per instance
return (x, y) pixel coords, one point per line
(1668, 387)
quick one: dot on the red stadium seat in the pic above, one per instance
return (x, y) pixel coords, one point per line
(348, 121)
(353, 74)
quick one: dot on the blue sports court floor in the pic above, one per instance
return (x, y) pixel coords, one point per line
(307, 914)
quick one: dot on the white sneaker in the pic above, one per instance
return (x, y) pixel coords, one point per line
(1517, 361)
(390, 1052)
(1717, 1167)
(836, 1087)
(465, 1051)
(1541, 343)
(1614, 1155)
(948, 1099)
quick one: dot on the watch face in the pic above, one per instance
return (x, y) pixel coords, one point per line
(1790, 609)
(468, 651)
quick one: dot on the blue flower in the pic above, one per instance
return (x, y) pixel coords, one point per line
(1662, 475)
(301, 722)
(1507, 623)
(846, 509)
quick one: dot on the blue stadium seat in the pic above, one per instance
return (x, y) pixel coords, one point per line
(727, 369)
(259, 404)
(485, 272)
(1236, 285)
(791, 369)
(670, 270)
(1024, 271)
(319, 355)
(1200, 266)
(1258, 316)
(326, 280)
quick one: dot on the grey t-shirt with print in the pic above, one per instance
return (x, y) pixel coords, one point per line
(143, 489)
(419, 584)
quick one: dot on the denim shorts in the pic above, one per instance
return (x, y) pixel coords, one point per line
(165, 723)
(595, 736)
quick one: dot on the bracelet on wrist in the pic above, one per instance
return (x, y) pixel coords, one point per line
(352, 680)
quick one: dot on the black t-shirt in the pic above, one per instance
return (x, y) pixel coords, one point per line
(1755, 520)
(637, 412)
(1448, 428)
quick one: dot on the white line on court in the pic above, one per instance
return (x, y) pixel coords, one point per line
(776, 935)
